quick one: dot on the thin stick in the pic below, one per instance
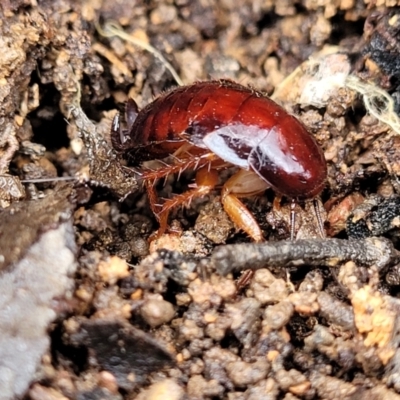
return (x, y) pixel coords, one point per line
(328, 252)
(111, 28)
(55, 179)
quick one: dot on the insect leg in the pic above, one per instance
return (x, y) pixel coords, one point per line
(243, 184)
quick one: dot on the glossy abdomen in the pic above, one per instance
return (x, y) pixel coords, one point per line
(239, 125)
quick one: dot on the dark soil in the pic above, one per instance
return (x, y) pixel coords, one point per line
(93, 305)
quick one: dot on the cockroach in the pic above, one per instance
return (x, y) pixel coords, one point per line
(210, 126)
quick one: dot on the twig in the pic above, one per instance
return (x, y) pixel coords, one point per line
(111, 29)
(328, 252)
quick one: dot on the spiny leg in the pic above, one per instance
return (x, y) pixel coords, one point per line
(205, 181)
(243, 184)
(152, 197)
(150, 176)
(207, 163)
(179, 165)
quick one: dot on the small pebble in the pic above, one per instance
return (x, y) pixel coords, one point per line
(335, 311)
(108, 381)
(113, 269)
(157, 311)
(244, 374)
(167, 389)
(189, 330)
(266, 389)
(304, 302)
(198, 388)
(39, 392)
(267, 289)
(291, 378)
(278, 315)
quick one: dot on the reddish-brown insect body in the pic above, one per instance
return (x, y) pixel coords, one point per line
(218, 124)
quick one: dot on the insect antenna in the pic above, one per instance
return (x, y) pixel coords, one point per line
(317, 210)
(292, 220)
